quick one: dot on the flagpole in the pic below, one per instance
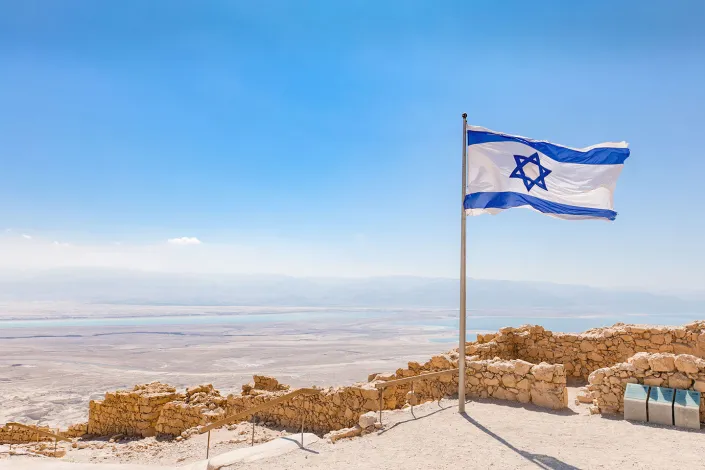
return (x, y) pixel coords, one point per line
(463, 284)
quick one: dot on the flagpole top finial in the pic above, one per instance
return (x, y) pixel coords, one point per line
(465, 115)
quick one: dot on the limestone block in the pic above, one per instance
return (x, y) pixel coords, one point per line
(635, 398)
(660, 405)
(596, 377)
(543, 372)
(508, 380)
(522, 367)
(523, 384)
(549, 395)
(699, 385)
(367, 420)
(679, 380)
(345, 432)
(686, 409)
(653, 381)
(662, 362)
(687, 363)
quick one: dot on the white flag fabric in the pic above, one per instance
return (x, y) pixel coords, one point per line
(506, 171)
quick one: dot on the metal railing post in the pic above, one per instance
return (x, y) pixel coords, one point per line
(381, 405)
(412, 399)
(303, 420)
(208, 445)
(253, 431)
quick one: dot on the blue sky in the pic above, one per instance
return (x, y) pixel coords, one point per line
(324, 139)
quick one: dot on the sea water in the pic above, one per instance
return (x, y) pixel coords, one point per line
(443, 323)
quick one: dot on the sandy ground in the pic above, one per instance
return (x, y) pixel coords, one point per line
(492, 434)
(48, 375)
(501, 435)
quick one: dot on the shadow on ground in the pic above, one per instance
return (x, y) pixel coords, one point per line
(540, 460)
(302, 447)
(413, 418)
(527, 406)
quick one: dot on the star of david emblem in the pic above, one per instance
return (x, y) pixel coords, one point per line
(533, 175)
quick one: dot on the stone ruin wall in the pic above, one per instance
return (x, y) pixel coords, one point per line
(145, 411)
(10, 434)
(497, 367)
(130, 413)
(582, 353)
(683, 371)
(16, 435)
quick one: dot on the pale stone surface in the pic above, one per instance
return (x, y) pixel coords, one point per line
(344, 433)
(678, 380)
(368, 419)
(661, 408)
(687, 363)
(543, 372)
(662, 362)
(686, 409)
(635, 399)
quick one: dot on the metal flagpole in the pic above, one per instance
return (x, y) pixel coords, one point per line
(461, 339)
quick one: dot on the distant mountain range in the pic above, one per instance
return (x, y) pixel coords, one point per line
(149, 288)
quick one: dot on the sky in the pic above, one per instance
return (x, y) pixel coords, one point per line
(324, 138)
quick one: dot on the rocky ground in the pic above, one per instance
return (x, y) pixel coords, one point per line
(150, 450)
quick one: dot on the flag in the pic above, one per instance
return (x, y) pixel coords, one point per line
(506, 171)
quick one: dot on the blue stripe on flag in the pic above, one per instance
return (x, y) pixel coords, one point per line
(507, 200)
(596, 156)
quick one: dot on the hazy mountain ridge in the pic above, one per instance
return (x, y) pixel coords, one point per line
(149, 288)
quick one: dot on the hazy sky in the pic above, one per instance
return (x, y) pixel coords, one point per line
(325, 138)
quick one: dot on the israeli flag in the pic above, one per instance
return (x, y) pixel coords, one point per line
(506, 171)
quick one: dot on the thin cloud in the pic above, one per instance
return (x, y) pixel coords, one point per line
(59, 243)
(26, 237)
(184, 241)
